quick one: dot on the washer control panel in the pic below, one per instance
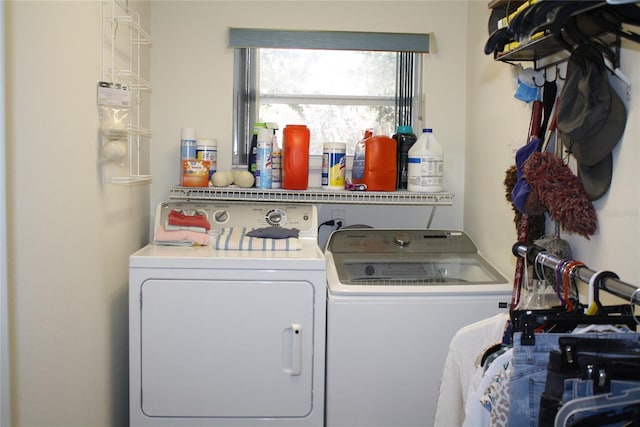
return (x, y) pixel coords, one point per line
(402, 241)
(241, 214)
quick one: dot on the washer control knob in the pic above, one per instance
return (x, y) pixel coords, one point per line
(276, 217)
(221, 216)
(402, 239)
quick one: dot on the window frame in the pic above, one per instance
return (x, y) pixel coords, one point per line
(247, 41)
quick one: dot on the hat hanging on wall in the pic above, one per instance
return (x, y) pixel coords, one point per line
(591, 121)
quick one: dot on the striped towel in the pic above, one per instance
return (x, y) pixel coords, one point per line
(236, 239)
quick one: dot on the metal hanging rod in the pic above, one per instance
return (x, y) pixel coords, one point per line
(535, 254)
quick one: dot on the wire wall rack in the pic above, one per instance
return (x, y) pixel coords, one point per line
(312, 195)
(124, 41)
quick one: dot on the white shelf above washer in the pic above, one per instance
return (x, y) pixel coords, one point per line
(313, 195)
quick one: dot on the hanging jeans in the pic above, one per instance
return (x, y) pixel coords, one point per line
(575, 389)
(528, 381)
(584, 366)
(529, 378)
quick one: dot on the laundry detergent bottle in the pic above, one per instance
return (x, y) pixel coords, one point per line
(380, 163)
(357, 171)
(425, 164)
(295, 157)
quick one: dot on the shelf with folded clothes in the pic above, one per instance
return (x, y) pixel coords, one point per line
(313, 195)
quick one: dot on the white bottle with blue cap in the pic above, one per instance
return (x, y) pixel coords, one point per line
(425, 164)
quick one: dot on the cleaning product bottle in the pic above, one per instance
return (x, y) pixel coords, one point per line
(357, 172)
(405, 138)
(425, 171)
(276, 159)
(253, 148)
(333, 165)
(295, 157)
(263, 158)
(188, 143)
(380, 163)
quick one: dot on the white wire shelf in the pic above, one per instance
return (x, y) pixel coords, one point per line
(313, 195)
(135, 81)
(130, 180)
(123, 62)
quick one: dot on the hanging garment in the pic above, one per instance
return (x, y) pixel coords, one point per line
(465, 350)
(486, 401)
(585, 366)
(614, 410)
(530, 365)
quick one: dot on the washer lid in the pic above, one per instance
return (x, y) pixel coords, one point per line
(415, 270)
(380, 257)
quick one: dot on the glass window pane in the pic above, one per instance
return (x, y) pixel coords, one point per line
(322, 74)
(327, 72)
(331, 123)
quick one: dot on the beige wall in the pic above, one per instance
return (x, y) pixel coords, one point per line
(69, 235)
(193, 79)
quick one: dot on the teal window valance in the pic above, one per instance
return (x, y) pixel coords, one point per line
(339, 40)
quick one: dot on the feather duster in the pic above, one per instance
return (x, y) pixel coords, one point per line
(561, 192)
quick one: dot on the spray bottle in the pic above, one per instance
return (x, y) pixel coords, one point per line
(276, 158)
(253, 148)
(263, 158)
(357, 173)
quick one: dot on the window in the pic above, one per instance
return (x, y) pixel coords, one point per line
(338, 87)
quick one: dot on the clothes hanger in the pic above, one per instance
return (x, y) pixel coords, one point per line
(567, 319)
(629, 400)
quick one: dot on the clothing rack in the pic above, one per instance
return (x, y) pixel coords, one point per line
(535, 254)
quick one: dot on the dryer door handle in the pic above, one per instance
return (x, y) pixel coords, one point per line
(296, 350)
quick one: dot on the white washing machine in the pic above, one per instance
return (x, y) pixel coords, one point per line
(395, 300)
(228, 337)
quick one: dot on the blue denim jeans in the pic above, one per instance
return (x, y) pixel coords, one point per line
(529, 377)
(530, 367)
(577, 388)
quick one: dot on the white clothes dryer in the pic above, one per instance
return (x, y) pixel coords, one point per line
(395, 300)
(229, 337)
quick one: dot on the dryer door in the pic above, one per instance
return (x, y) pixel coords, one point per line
(214, 348)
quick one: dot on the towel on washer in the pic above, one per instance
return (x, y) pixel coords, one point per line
(181, 237)
(179, 220)
(237, 239)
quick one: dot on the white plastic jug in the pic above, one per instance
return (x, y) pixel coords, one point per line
(425, 164)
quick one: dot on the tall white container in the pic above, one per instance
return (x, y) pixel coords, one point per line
(207, 149)
(333, 165)
(188, 143)
(425, 164)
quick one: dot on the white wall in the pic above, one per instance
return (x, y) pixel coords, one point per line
(68, 235)
(497, 122)
(193, 81)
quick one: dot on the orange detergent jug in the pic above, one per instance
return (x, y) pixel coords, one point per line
(295, 157)
(380, 163)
